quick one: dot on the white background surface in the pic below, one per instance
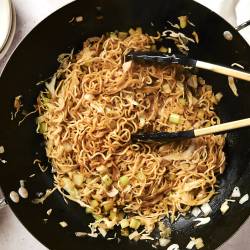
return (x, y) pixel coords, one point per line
(13, 236)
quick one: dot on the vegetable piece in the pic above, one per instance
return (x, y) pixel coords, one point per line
(182, 101)
(124, 223)
(140, 176)
(183, 21)
(218, 96)
(49, 212)
(120, 216)
(23, 192)
(236, 193)
(191, 244)
(134, 223)
(1, 149)
(106, 180)
(142, 121)
(228, 35)
(113, 192)
(102, 231)
(101, 169)
(112, 215)
(79, 19)
(199, 243)
(63, 224)
(237, 65)
(196, 211)
(113, 35)
(51, 86)
(153, 47)
(124, 181)
(139, 30)
(81, 234)
(174, 118)
(202, 221)
(164, 242)
(88, 210)
(165, 231)
(126, 66)
(78, 179)
(146, 237)
(166, 88)
(94, 204)
(110, 224)
(206, 209)
(200, 114)
(232, 85)
(42, 198)
(89, 97)
(244, 199)
(122, 35)
(97, 216)
(14, 196)
(224, 207)
(17, 104)
(196, 37)
(193, 81)
(163, 49)
(68, 185)
(134, 236)
(173, 247)
(125, 232)
(108, 205)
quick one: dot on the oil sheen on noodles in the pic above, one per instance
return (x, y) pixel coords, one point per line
(91, 107)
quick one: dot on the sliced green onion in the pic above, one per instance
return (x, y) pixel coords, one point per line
(163, 49)
(94, 203)
(124, 181)
(182, 101)
(166, 88)
(97, 216)
(218, 96)
(174, 118)
(113, 35)
(134, 223)
(208, 124)
(122, 35)
(108, 206)
(88, 210)
(107, 181)
(112, 215)
(131, 31)
(125, 232)
(200, 114)
(139, 30)
(124, 223)
(42, 127)
(78, 179)
(183, 21)
(140, 176)
(153, 47)
(68, 185)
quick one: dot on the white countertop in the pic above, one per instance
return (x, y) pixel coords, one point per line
(13, 236)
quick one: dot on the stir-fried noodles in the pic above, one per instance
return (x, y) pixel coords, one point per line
(96, 101)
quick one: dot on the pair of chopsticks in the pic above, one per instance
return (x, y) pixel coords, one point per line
(164, 59)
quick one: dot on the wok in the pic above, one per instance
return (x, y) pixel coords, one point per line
(35, 59)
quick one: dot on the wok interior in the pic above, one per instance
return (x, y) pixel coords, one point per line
(35, 60)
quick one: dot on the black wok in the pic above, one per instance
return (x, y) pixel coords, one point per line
(35, 60)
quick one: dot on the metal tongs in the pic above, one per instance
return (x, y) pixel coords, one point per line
(188, 134)
(165, 58)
